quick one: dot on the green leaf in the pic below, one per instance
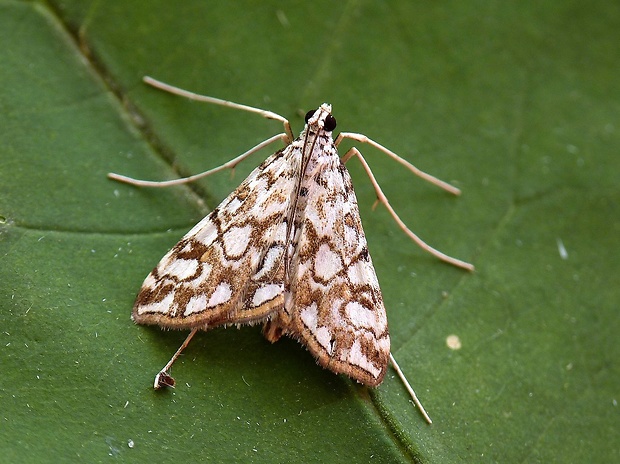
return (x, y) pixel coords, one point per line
(515, 103)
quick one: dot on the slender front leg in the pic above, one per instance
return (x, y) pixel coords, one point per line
(427, 177)
(228, 165)
(217, 101)
(383, 199)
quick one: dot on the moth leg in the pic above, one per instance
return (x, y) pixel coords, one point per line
(362, 138)
(216, 101)
(228, 165)
(383, 199)
(414, 397)
(163, 378)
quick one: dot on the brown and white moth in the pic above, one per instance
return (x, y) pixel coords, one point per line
(286, 249)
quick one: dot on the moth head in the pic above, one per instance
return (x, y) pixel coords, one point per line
(321, 118)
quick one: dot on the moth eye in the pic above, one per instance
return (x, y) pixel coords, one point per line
(330, 123)
(309, 114)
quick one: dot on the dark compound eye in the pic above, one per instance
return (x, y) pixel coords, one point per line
(330, 123)
(309, 114)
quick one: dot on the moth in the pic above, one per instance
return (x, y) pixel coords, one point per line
(286, 249)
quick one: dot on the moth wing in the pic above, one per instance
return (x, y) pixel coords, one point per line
(228, 269)
(333, 303)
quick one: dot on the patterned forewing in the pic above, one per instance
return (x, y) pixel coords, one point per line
(333, 301)
(229, 267)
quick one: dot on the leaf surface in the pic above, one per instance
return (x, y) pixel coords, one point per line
(517, 104)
